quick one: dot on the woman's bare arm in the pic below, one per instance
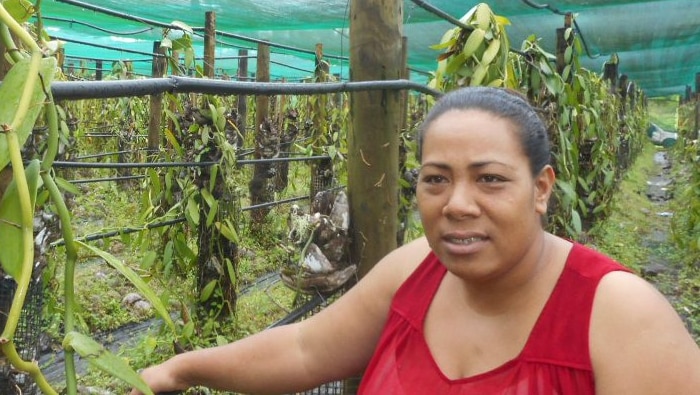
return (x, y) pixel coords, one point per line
(335, 343)
(639, 344)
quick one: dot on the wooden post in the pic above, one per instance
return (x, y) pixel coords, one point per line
(209, 44)
(98, 70)
(242, 100)
(694, 135)
(61, 57)
(373, 139)
(172, 104)
(259, 187)
(632, 94)
(562, 44)
(622, 89)
(322, 170)
(406, 193)
(156, 104)
(262, 74)
(610, 71)
(404, 75)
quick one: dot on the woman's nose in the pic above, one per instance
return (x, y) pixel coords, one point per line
(461, 203)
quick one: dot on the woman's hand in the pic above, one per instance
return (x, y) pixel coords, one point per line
(161, 381)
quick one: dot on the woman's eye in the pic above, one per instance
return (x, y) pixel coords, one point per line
(490, 178)
(433, 179)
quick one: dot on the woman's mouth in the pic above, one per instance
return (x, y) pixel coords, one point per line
(465, 241)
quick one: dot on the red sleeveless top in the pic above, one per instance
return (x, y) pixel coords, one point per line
(555, 359)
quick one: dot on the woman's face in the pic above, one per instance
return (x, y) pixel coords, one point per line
(479, 204)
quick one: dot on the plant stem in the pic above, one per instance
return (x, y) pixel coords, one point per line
(30, 367)
(26, 225)
(18, 30)
(52, 140)
(39, 19)
(9, 43)
(69, 275)
(7, 344)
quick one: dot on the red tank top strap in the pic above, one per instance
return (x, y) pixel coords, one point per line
(415, 295)
(562, 331)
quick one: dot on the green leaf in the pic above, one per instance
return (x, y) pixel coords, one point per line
(148, 259)
(584, 184)
(188, 330)
(189, 57)
(214, 172)
(211, 216)
(568, 190)
(208, 290)
(192, 212)
(136, 280)
(21, 10)
(183, 26)
(227, 231)
(156, 186)
(166, 43)
(66, 186)
(231, 270)
(576, 221)
(12, 253)
(102, 359)
(168, 253)
(221, 341)
(10, 94)
(568, 54)
(182, 43)
(208, 197)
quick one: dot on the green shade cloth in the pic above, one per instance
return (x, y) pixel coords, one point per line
(658, 42)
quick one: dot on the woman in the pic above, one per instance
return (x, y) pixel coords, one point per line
(486, 302)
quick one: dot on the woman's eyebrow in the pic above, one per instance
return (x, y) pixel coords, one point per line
(485, 163)
(472, 166)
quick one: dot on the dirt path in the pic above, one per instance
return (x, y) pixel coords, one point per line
(659, 194)
(661, 269)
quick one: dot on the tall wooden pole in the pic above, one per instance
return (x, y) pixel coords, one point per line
(156, 104)
(242, 104)
(696, 131)
(259, 187)
(209, 44)
(563, 43)
(373, 140)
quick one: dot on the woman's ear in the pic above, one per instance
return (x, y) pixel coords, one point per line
(544, 183)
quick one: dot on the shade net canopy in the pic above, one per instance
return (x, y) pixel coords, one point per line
(657, 42)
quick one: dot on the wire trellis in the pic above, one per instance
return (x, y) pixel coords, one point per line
(27, 335)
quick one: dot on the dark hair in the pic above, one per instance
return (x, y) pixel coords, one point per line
(503, 103)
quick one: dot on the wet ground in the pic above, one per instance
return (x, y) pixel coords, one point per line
(659, 192)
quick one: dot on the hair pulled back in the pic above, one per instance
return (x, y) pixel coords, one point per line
(502, 103)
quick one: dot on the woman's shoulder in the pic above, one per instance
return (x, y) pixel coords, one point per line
(637, 339)
(399, 264)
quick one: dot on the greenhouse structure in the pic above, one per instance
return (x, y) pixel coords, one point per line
(182, 174)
